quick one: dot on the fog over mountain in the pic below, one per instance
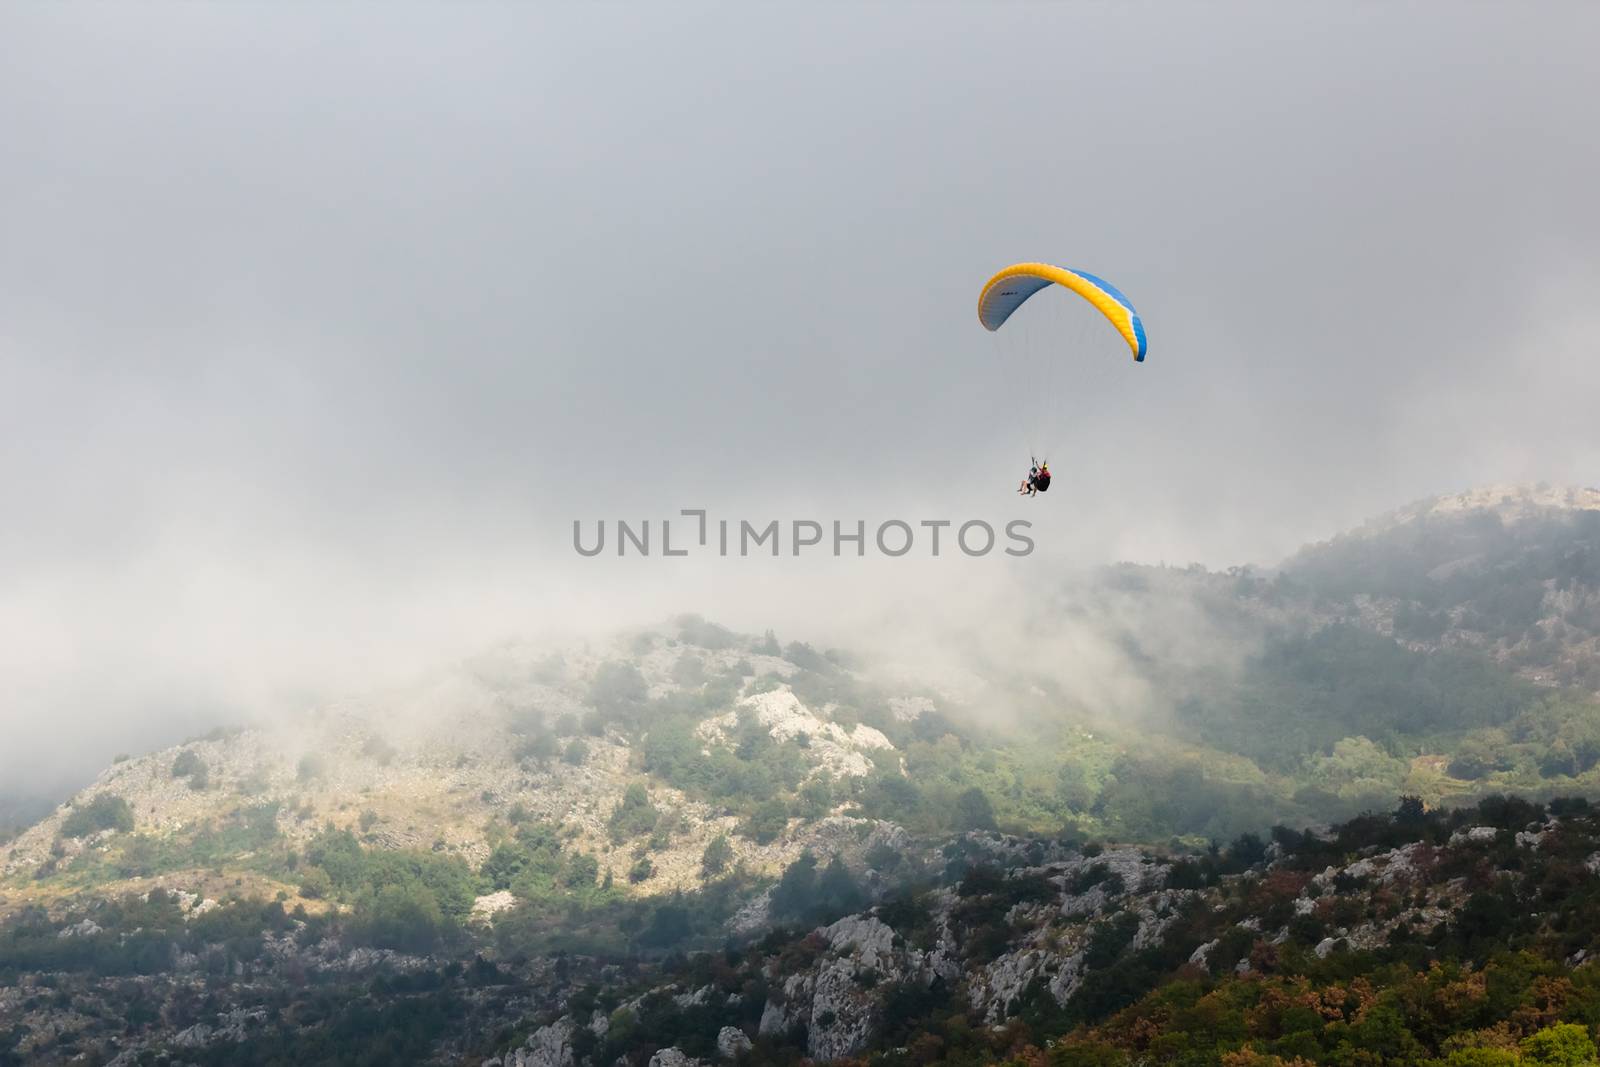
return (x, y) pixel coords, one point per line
(318, 328)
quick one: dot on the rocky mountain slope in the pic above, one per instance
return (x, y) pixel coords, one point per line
(998, 947)
(516, 731)
(511, 861)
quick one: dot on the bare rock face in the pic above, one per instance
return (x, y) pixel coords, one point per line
(838, 1000)
(549, 1046)
(486, 907)
(834, 751)
(86, 928)
(1056, 936)
(232, 1027)
(731, 1041)
(674, 1057)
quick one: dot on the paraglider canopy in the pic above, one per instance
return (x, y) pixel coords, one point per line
(1007, 291)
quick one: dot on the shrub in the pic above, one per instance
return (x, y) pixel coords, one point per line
(582, 870)
(105, 812)
(541, 747)
(767, 822)
(816, 798)
(315, 883)
(635, 814)
(188, 763)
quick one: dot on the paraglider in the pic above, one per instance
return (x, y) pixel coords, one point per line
(1070, 346)
(1037, 481)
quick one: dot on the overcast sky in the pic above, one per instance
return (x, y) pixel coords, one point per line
(319, 324)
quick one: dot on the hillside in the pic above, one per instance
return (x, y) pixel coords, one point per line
(515, 738)
(1456, 939)
(1441, 651)
(540, 818)
(1512, 571)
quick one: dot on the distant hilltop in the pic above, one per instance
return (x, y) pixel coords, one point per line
(1513, 503)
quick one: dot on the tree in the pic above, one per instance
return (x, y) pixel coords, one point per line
(402, 917)
(837, 891)
(670, 923)
(1562, 1045)
(315, 883)
(503, 866)
(793, 896)
(974, 811)
(1483, 1057)
(1480, 754)
(1073, 788)
(1411, 810)
(577, 752)
(718, 854)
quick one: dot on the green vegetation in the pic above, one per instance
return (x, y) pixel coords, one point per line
(805, 897)
(138, 936)
(1304, 693)
(105, 812)
(189, 765)
(717, 856)
(634, 816)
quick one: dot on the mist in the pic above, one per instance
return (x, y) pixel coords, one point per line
(319, 330)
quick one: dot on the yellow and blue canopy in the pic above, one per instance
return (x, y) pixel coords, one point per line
(1006, 291)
